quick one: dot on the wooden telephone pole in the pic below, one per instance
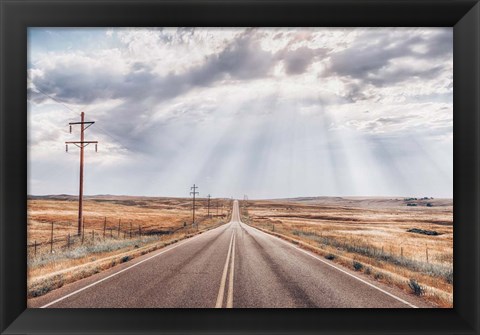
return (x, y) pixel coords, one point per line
(245, 201)
(208, 205)
(81, 144)
(194, 187)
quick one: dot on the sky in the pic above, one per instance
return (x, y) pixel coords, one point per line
(263, 112)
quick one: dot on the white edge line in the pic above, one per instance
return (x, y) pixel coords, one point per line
(335, 267)
(123, 270)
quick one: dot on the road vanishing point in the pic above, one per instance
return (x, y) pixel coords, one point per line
(231, 266)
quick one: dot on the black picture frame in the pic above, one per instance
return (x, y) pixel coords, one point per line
(17, 15)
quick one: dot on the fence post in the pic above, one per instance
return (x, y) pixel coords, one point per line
(83, 229)
(426, 253)
(35, 248)
(401, 251)
(111, 233)
(68, 241)
(93, 236)
(130, 229)
(104, 226)
(139, 231)
(51, 239)
(118, 235)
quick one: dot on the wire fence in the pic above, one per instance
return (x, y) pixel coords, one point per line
(64, 235)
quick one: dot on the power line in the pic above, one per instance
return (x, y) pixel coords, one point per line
(56, 100)
(62, 103)
(113, 137)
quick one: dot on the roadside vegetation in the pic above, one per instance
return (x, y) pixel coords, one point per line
(410, 247)
(162, 221)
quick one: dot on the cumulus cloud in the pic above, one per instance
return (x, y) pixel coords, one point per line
(85, 79)
(371, 57)
(297, 61)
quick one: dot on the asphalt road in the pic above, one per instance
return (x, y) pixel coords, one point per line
(233, 265)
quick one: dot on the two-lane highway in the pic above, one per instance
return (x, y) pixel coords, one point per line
(234, 265)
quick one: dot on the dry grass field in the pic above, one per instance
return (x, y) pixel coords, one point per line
(116, 229)
(403, 242)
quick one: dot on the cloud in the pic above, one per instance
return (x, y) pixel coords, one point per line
(81, 79)
(271, 106)
(383, 124)
(371, 57)
(298, 60)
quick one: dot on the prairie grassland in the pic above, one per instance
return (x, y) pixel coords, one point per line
(371, 235)
(116, 230)
(151, 215)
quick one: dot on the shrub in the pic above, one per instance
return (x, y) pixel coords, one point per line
(40, 291)
(368, 270)
(357, 266)
(415, 287)
(125, 259)
(330, 257)
(378, 275)
(423, 231)
(449, 276)
(46, 286)
(87, 250)
(442, 271)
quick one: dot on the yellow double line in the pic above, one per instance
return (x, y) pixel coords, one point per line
(221, 291)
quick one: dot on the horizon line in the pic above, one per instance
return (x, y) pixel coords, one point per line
(250, 199)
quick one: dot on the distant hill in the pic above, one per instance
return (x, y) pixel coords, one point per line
(370, 201)
(321, 200)
(96, 197)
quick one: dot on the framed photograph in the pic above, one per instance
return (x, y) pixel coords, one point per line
(296, 163)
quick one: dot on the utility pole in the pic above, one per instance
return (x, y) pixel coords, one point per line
(81, 144)
(208, 205)
(194, 187)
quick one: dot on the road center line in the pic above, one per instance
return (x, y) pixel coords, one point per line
(223, 281)
(230, 282)
(128, 268)
(335, 267)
